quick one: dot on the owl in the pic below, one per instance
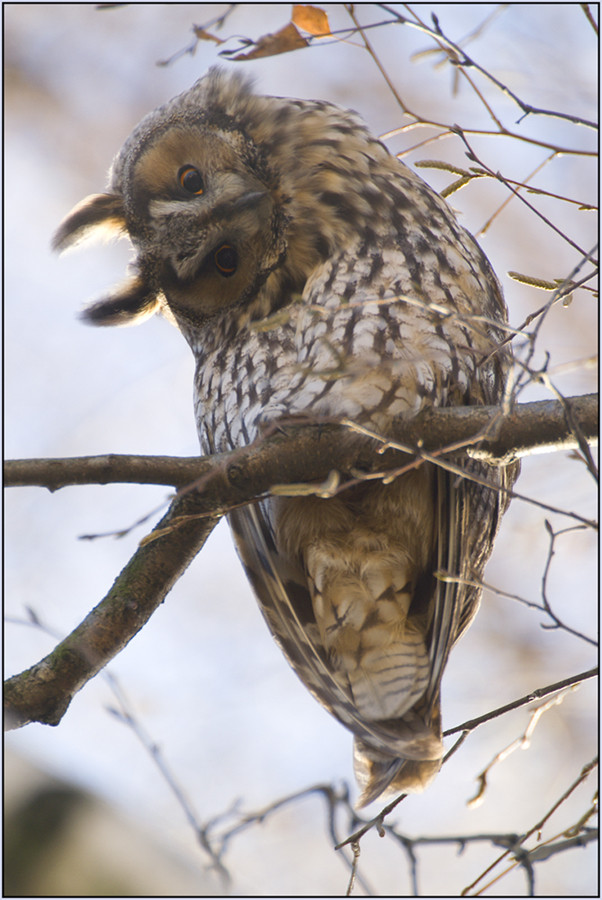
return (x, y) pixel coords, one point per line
(315, 277)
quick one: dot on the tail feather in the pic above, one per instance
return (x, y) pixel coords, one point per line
(379, 774)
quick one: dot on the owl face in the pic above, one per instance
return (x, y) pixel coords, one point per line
(205, 227)
(232, 201)
(203, 223)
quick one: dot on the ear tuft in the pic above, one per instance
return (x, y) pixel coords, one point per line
(94, 213)
(130, 304)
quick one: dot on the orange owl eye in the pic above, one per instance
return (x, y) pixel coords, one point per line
(225, 259)
(191, 180)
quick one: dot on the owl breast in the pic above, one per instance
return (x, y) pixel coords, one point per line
(376, 357)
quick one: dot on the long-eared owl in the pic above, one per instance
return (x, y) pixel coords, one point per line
(314, 275)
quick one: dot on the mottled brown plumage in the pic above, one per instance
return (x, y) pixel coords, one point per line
(313, 274)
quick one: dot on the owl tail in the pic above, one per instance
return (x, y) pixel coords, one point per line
(377, 772)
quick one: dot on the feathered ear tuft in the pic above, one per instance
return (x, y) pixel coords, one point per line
(96, 212)
(130, 304)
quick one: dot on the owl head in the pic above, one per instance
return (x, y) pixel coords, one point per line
(230, 200)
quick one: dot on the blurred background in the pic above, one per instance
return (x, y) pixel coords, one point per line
(204, 678)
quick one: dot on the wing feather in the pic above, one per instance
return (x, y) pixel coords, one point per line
(285, 602)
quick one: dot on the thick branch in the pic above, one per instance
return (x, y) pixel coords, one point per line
(43, 692)
(299, 453)
(293, 453)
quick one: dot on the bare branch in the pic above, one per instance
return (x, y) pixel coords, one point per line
(297, 453)
(556, 621)
(545, 851)
(462, 59)
(522, 858)
(474, 158)
(537, 694)
(523, 743)
(44, 692)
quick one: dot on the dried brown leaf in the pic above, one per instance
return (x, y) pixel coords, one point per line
(283, 41)
(311, 19)
(203, 35)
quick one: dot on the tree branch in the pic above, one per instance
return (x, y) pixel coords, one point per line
(296, 452)
(44, 692)
(290, 453)
(471, 724)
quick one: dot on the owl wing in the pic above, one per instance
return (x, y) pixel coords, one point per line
(285, 601)
(467, 519)
(467, 516)
(452, 606)
(404, 752)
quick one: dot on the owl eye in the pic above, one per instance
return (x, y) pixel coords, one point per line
(191, 180)
(225, 258)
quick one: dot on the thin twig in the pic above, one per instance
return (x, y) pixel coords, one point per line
(464, 60)
(535, 829)
(537, 694)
